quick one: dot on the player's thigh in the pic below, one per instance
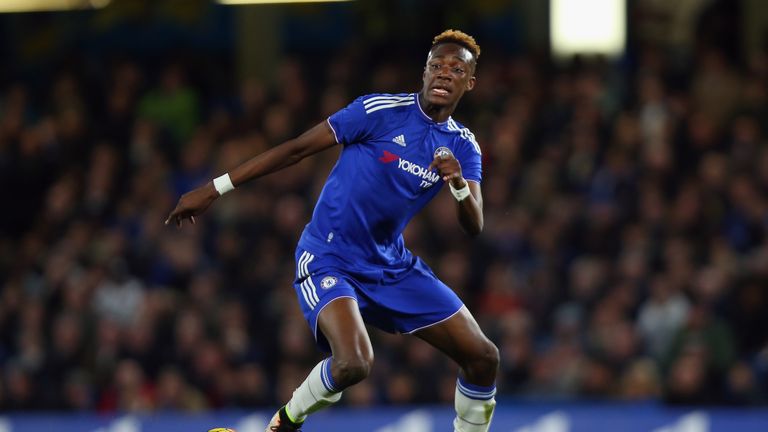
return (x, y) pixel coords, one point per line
(460, 337)
(343, 327)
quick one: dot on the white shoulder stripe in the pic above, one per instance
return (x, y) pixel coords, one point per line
(393, 98)
(465, 133)
(391, 105)
(384, 102)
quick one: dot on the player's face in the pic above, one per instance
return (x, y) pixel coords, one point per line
(448, 74)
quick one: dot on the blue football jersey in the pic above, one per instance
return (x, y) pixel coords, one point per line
(381, 179)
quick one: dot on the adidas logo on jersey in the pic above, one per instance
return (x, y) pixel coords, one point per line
(399, 140)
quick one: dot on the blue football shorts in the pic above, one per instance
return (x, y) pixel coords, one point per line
(402, 300)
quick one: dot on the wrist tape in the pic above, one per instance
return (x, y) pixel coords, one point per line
(223, 184)
(460, 194)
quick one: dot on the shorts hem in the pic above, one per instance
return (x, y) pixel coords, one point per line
(436, 322)
(317, 315)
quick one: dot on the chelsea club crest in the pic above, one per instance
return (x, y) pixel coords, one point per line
(443, 152)
(328, 282)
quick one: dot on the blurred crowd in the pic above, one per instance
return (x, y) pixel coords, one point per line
(624, 256)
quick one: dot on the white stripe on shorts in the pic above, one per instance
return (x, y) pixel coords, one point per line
(306, 264)
(305, 290)
(300, 264)
(314, 290)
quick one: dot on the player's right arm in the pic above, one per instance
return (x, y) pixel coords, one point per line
(284, 155)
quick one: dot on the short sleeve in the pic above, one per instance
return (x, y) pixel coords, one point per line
(351, 123)
(470, 158)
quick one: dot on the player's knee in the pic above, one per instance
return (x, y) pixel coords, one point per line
(484, 360)
(353, 369)
(488, 357)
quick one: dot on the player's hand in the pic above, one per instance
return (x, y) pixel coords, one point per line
(192, 204)
(449, 168)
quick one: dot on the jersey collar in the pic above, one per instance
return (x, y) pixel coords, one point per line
(428, 118)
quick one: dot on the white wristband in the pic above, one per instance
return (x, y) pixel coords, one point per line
(223, 184)
(460, 194)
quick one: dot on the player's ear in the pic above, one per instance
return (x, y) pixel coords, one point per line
(471, 83)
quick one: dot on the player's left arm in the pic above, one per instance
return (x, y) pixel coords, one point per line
(469, 208)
